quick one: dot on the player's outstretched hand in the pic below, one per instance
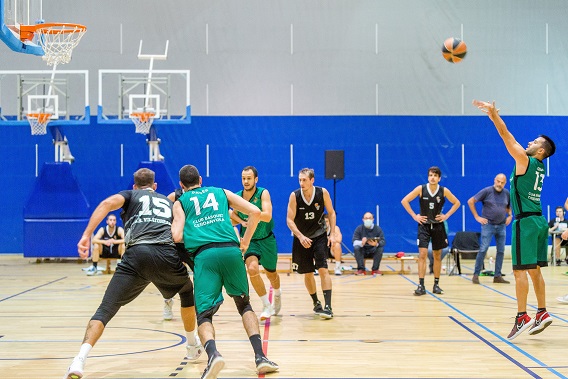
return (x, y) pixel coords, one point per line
(83, 247)
(486, 107)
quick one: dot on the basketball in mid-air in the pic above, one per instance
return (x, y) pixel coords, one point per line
(454, 50)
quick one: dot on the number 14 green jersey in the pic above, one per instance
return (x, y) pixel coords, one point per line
(206, 218)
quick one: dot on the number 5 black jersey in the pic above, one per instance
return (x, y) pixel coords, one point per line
(431, 204)
(309, 213)
(147, 218)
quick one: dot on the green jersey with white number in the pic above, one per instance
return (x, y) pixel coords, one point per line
(526, 188)
(264, 228)
(206, 218)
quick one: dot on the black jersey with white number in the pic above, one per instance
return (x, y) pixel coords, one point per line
(309, 213)
(431, 204)
(147, 218)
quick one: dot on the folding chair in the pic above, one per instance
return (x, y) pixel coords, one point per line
(464, 242)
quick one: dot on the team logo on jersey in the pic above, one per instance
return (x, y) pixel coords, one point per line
(438, 199)
(317, 206)
(255, 199)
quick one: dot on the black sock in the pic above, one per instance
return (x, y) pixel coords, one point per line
(436, 281)
(327, 298)
(256, 343)
(421, 281)
(539, 310)
(521, 314)
(210, 347)
(95, 264)
(314, 297)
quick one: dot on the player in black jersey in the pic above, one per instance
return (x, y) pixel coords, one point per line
(108, 242)
(309, 249)
(150, 257)
(431, 224)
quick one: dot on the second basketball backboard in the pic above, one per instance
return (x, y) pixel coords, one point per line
(63, 95)
(164, 94)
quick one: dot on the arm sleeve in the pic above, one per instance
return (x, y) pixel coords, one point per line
(357, 236)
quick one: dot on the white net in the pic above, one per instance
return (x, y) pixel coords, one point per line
(142, 121)
(58, 41)
(38, 122)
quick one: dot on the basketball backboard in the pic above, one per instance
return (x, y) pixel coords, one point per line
(15, 13)
(64, 94)
(164, 93)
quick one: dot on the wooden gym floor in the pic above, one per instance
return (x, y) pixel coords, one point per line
(380, 330)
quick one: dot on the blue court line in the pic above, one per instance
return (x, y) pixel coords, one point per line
(514, 298)
(34, 288)
(507, 356)
(538, 362)
(182, 341)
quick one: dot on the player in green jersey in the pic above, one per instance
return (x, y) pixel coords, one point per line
(530, 230)
(263, 249)
(202, 222)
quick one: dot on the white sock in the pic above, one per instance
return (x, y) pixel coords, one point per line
(277, 292)
(190, 337)
(84, 351)
(265, 301)
(337, 265)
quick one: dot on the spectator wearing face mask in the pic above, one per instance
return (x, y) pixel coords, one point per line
(368, 242)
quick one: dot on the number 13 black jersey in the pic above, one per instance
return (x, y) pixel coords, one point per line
(309, 217)
(147, 218)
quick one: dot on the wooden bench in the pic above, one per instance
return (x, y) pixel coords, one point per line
(403, 262)
(286, 266)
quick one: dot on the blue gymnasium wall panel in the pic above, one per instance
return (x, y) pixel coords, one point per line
(408, 146)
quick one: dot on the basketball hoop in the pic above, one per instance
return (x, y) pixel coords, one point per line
(142, 121)
(38, 122)
(56, 39)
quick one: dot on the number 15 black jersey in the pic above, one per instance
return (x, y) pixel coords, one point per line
(147, 218)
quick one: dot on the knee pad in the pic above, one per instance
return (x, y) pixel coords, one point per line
(242, 303)
(207, 316)
(105, 313)
(186, 295)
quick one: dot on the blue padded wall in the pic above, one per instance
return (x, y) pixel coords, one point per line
(107, 155)
(56, 194)
(56, 213)
(163, 178)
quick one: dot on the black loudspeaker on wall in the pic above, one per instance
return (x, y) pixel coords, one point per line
(334, 164)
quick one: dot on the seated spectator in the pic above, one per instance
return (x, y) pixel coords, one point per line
(368, 242)
(335, 249)
(559, 224)
(108, 242)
